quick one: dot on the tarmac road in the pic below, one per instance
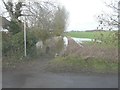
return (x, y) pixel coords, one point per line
(64, 80)
(34, 76)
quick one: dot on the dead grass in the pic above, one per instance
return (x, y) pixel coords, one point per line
(93, 50)
(89, 58)
(77, 64)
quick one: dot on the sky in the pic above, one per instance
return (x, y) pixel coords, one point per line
(82, 13)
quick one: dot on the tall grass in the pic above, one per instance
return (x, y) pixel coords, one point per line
(92, 57)
(79, 64)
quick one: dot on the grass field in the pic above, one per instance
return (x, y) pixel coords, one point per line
(91, 35)
(108, 38)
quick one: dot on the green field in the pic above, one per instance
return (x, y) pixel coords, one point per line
(108, 38)
(91, 35)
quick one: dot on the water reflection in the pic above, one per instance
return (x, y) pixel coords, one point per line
(81, 40)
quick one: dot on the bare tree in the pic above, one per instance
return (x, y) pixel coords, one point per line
(109, 20)
(47, 19)
(13, 9)
(60, 21)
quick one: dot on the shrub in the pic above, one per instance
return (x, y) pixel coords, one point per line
(14, 45)
(14, 27)
(73, 63)
(6, 44)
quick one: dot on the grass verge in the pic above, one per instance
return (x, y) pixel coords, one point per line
(79, 64)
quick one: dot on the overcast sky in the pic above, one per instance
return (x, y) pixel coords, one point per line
(82, 13)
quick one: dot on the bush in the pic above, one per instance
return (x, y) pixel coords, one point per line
(73, 63)
(41, 34)
(14, 27)
(14, 45)
(110, 38)
(6, 43)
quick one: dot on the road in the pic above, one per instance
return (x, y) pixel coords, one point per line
(35, 76)
(50, 80)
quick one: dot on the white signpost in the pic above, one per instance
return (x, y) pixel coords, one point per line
(25, 38)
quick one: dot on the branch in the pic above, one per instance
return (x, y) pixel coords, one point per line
(5, 5)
